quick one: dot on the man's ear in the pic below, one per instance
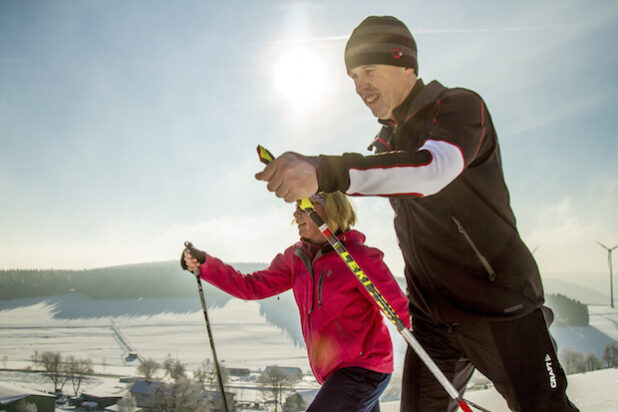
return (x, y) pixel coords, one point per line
(410, 74)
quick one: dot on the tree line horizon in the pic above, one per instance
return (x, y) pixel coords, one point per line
(167, 280)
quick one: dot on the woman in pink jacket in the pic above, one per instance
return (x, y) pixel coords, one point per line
(349, 346)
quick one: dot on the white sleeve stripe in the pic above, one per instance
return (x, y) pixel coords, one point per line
(423, 180)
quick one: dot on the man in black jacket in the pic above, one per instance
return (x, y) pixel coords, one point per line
(475, 291)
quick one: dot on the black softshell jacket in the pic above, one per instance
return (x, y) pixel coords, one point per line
(463, 254)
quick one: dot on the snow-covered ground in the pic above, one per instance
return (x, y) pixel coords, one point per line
(247, 335)
(243, 336)
(591, 392)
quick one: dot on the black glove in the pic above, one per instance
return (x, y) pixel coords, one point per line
(200, 255)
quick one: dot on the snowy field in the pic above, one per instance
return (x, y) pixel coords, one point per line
(247, 335)
(592, 392)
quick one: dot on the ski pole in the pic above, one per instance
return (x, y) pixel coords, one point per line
(476, 406)
(189, 246)
(306, 205)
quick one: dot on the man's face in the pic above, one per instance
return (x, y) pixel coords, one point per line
(382, 87)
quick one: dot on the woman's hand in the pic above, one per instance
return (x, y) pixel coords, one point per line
(191, 258)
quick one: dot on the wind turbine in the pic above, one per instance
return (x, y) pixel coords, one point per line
(611, 276)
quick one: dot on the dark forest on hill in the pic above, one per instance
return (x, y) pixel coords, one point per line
(167, 279)
(158, 279)
(568, 312)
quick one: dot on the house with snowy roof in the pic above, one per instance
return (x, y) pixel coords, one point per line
(298, 401)
(12, 396)
(292, 373)
(144, 392)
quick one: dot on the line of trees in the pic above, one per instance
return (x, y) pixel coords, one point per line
(159, 279)
(567, 311)
(275, 382)
(205, 374)
(577, 362)
(177, 391)
(181, 391)
(62, 370)
(145, 280)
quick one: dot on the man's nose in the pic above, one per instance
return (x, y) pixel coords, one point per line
(361, 86)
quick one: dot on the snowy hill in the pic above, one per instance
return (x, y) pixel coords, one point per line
(576, 291)
(603, 329)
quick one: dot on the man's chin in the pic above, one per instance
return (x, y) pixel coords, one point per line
(379, 114)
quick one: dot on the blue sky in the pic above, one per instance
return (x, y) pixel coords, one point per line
(127, 127)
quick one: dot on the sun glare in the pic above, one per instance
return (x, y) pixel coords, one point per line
(300, 77)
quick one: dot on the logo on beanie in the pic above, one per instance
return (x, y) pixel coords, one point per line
(397, 53)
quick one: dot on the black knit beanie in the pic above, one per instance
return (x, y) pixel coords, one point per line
(381, 40)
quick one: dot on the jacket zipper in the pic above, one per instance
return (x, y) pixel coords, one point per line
(490, 271)
(339, 327)
(320, 284)
(305, 259)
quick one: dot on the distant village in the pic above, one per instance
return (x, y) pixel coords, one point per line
(161, 387)
(167, 386)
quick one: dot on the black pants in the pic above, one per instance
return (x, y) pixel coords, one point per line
(351, 389)
(518, 356)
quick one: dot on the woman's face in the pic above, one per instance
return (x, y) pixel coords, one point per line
(306, 228)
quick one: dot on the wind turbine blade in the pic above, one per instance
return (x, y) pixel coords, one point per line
(602, 245)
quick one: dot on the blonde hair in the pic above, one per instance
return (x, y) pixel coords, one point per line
(340, 214)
